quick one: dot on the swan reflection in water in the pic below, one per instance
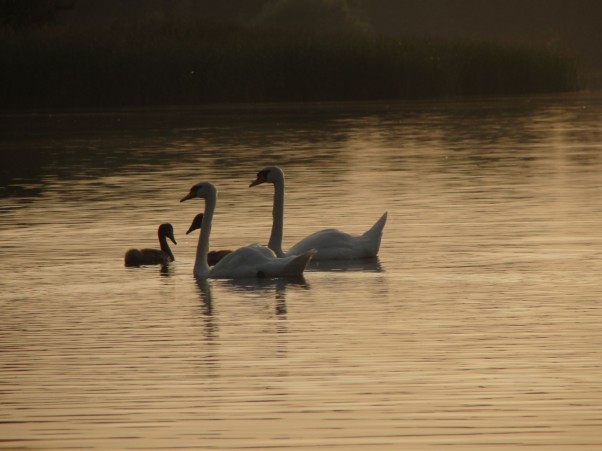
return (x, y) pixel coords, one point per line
(261, 288)
(262, 291)
(365, 265)
(264, 287)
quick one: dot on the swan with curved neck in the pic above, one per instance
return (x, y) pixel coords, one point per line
(330, 244)
(213, 256)
(246, 262)
(138, 257)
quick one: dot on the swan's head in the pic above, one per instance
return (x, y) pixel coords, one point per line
(167, 231)
(196, 223)
(203, 190)
(269, 174)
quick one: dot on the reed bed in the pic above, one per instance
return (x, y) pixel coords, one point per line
(186, 62)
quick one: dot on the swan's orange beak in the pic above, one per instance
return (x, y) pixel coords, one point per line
(259, 180)
(190, 195)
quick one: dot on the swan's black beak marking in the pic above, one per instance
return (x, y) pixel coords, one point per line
(261, 178)
(190, 195)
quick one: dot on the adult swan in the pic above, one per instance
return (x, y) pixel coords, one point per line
(246, 262)
(330, 244)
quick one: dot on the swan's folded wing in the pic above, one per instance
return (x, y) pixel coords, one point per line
(244, 262)
(258, 261)
(262, 250)
(332, 244)
(329, 244)
(286, 266)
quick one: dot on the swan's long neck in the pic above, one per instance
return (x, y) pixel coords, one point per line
(201, 268)
(164, 246)
(278, 219)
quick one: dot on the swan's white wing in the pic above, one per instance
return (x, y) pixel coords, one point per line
(324, 240)
(329, 244)
(263, 250)
(241, 263)
(258, 261)
(286, 266)
(333, 244)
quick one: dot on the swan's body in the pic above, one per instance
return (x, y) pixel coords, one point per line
(330, 244)
(333, 244)
(213, 256)
(138, 257)
(246, 262)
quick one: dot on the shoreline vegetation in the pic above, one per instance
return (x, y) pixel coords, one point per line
(188, 62)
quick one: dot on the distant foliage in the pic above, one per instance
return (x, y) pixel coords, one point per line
(332, 16)
(163, 62)
(29, 13)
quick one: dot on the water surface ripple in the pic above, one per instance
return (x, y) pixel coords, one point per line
(477, 328)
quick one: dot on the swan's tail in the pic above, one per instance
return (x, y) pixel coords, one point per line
(374, 234)
(298, 263)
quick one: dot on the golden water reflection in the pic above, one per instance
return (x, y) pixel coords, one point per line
(477, 327)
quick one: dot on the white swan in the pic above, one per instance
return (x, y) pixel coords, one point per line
(139, 257)
(330, 244)
(246, 262)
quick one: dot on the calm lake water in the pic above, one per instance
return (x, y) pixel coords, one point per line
(479, 328)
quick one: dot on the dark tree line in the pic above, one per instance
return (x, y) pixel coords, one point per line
(29, 13)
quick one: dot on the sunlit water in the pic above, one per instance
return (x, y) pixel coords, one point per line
(480, 327)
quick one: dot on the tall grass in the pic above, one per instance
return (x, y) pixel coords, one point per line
(174, 62)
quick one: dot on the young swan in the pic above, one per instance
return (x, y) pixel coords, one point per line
(246, 262)
(330, 244)
(213, 256)
(138, 257)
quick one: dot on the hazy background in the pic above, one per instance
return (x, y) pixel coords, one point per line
(574, 24)
(84, 53)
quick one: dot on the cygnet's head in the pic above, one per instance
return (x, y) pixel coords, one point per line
(167, 231)
(197, 222)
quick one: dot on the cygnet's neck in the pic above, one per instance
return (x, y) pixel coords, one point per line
(165, 246)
